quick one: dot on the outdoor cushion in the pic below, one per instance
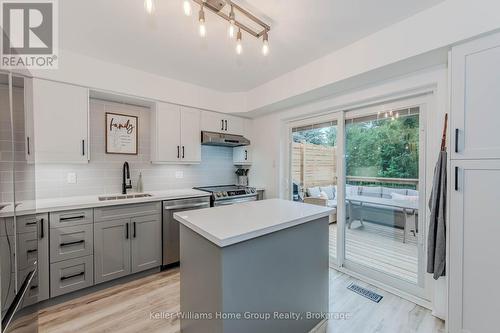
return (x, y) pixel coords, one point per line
(332, 203)
(313, 192)
(329, 190)
(412, 193)
(323, 195)
(396, 196)
(371, 191)
(387, 192)
(352, 190)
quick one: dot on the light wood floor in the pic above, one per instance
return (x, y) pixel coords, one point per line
(381, 248)
(127, 308)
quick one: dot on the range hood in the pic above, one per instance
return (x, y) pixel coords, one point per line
(223, 139)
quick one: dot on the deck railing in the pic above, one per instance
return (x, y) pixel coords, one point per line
(388, 182)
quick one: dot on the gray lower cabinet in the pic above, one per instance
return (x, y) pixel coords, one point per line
(146, 242)
(71, 242)
(126, 240)
(71, 275)
(111, 249)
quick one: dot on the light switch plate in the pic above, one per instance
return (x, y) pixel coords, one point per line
(179, 174)
(71, 177)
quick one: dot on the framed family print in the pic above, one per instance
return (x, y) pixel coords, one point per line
(121, 134)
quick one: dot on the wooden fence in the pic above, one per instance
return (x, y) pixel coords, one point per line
(314, 165)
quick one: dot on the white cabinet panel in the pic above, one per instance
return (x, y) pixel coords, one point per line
(175, 134)
(168, 132)
(476, 99)
(242, 155)
(60, 113)
(190, 135)
(474, 230)
(222, 123)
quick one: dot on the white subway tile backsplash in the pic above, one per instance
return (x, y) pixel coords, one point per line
(103, 174)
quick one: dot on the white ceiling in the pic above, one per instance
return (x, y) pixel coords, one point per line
(168, 44)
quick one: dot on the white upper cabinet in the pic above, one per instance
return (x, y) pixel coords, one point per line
(60, 121)
(222, 123)
(242, 155)
(475, 100)
(175, 134)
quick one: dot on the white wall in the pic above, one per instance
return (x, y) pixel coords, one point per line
(103, 174)
(270, 167)
(100, 75)
(440, 26)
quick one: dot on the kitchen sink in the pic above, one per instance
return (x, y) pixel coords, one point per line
(124, 196)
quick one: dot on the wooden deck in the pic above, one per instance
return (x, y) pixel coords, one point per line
(380, 248)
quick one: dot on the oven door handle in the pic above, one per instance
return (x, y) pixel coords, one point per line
(18, 299)
(206, 204)
(230, 202)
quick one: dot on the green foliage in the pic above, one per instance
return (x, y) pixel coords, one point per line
(383, 148)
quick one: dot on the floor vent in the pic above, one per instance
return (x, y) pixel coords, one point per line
(373, 296)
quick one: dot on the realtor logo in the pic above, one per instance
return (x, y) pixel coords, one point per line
(29, 34)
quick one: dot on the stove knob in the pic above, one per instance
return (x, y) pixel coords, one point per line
(224, 194)
(218, 194)
(253, 190)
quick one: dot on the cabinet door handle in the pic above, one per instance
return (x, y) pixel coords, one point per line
(72, 243)
(183, 152)
(135, 231)
(226, 124)
(28, 144)
(178, 152)
(456, 178)
(246, 154)
(456, 139)
(83, 147)
(79, 217)
(72, 276)
(42, 228)
(126, 231)
(222, 126)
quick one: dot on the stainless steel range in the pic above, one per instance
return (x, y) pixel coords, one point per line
(229, 194)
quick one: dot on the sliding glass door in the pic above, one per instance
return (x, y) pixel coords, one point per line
(314, 173)
(383, 221)
(369, 165)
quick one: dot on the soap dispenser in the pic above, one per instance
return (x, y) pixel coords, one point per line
(139, 183)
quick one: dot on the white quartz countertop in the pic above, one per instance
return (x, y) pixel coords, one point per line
(227, 225)
(92, 201)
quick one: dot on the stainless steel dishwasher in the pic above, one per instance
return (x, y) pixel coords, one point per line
(170, 238)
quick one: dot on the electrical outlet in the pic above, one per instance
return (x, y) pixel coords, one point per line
(71, 178)
(179, 174)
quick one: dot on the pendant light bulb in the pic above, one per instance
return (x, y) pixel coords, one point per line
(265, 44)
(239, 46)
(232, 21)
(149, 6)
(187, 7)
(201, 19)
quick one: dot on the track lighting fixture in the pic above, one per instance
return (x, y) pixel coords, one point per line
(239, 46)
(149, 6)
(201, 20)
(186, 5)
(265, 43)
(227, 10)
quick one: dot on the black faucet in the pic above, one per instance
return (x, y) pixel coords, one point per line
(126, 183)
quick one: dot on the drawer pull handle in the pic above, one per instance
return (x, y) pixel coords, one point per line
(31, 251)
(72, 276)
(31, 223)
(72, 243)
(34, 287)
(72, 218)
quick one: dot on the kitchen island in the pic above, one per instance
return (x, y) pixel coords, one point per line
(260, 266)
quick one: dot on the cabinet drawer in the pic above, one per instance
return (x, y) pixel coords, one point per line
(71, 275)
(71, 242)
(27, 245)
(126, 211)
(71, 218)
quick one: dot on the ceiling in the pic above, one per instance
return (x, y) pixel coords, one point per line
(168, 44)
